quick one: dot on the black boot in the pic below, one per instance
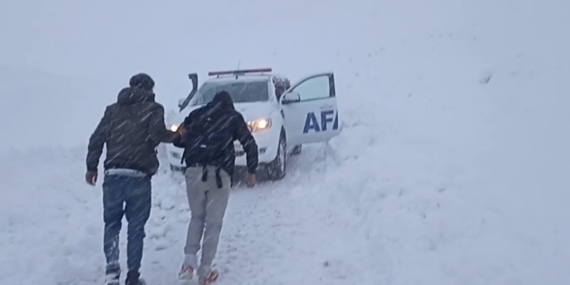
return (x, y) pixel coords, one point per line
(133, 278)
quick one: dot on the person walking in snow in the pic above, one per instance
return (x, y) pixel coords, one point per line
(131, 128)
(208, 142)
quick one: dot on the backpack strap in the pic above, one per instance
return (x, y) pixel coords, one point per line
(218, 177)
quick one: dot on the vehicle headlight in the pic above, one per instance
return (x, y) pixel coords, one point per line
(174, 127)
(259, 125)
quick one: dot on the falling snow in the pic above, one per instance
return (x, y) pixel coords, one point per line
(451, 167)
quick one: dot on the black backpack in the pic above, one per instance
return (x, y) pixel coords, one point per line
(208, 140)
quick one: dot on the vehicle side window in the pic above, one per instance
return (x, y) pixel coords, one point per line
(281, 84)
(314, 88)
(278, 91)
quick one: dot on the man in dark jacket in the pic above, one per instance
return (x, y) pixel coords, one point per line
(131, 128)
(208, 183)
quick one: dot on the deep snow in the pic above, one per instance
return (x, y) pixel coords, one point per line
(451, 169)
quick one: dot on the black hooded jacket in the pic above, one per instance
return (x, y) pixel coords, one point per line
(234, 124)
(131, 128)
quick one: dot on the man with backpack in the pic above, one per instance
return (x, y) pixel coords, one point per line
(208, 141)
(131, 128)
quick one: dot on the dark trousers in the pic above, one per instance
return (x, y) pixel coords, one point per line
(131, 197)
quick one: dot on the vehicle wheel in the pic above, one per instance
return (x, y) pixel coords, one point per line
(297, 149)
(277, 169)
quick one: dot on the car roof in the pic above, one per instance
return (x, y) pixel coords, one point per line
(245, 77)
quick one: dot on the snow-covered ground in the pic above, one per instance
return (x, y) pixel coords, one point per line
(452, 167)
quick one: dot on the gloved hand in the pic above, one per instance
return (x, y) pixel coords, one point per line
(91, 177)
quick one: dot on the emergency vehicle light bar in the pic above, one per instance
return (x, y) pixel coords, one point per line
(239, 72)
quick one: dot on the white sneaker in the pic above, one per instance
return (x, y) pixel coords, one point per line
(186, 272)
(210, 278)
(188, 267)
(112, 279)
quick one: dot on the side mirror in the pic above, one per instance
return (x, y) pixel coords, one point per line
(291, 97)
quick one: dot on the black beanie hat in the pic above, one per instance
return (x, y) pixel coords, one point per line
(143, 81)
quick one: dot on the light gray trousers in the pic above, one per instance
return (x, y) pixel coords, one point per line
(208, 205)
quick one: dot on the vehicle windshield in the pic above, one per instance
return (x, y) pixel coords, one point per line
(241, 91)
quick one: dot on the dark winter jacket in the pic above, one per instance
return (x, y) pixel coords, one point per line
(131, 128)
(236, 126)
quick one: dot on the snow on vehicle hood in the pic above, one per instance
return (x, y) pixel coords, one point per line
(250, 111)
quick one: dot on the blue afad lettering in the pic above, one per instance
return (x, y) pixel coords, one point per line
(326, 118)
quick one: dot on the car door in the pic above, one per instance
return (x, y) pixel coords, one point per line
(310, 110)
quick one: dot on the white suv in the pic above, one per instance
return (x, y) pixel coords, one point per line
(282, 117)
